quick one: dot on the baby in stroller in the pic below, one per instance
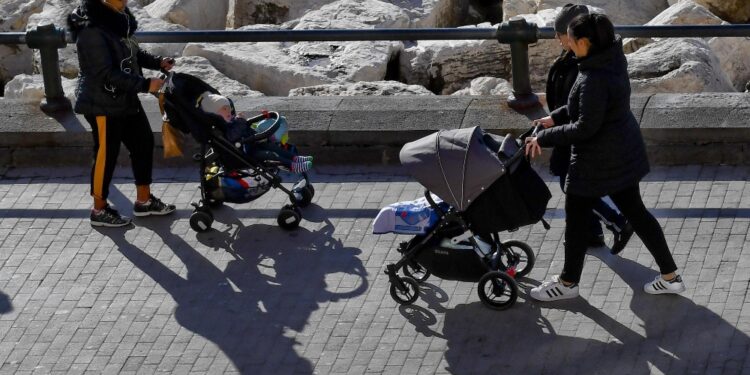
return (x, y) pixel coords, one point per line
(239, 129)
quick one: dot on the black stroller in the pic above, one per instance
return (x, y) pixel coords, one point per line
(487, 186)
(227, 174)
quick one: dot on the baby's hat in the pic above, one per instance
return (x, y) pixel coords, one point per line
(211, 103)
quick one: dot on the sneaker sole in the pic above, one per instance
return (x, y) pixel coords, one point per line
(667, 291)
(108, 225)
(149, 213)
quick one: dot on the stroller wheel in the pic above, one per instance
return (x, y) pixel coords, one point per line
(307, 193)
(415, 271)
(201, 220)
(289, 217)
(497, 290)
(519, 255)
(407, 292)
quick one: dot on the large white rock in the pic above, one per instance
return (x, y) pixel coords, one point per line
(734, 55)
(276, 68)
(422, 13)
(193, 14)
(677, 66)
(202, 68)
(359, 14)
(685, 12)
(31, 88)
(14, 16)
(377, 88)
(622, 12)
(448, 66)
(56, 12)
(148, 23)
(487, 86)
(735, 11)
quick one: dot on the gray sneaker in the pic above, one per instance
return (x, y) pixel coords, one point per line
(108, 217)
(154, 206)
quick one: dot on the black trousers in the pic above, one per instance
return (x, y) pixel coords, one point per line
(135, 133)
(578, 212)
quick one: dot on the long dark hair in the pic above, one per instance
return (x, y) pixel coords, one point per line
(596, 27)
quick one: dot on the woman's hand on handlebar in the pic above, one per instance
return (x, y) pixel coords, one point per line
(532, 147)
(167, 64)
(546, 122)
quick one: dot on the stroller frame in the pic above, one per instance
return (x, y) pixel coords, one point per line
(300, 195)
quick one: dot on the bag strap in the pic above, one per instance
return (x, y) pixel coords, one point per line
(161, 108)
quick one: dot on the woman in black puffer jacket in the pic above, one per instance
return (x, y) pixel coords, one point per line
(562, 75)
(107, 95)
(608, 156)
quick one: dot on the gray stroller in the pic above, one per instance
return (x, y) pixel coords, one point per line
(486, 186)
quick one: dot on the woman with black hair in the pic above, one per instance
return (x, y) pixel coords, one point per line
(608, 156)
(560, 79)
(109, 81)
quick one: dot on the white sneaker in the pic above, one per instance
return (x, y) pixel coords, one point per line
(661, 286)
(553, 290)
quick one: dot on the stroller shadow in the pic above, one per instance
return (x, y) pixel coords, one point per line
(5, 305)
(253, 309)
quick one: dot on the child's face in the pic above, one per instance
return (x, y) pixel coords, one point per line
(226, 112)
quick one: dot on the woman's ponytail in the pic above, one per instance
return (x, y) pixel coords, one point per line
(596, 27)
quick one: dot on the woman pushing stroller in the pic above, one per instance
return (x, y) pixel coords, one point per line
(608, 156)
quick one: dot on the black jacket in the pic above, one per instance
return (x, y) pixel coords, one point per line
(560, 80)
(110, 61)
(608, 152)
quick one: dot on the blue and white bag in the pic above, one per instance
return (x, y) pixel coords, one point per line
(410, 217)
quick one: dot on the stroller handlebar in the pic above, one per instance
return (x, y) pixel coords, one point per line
(432, 203)
(266, 133)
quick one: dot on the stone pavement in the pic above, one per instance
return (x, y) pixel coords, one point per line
(251, 298)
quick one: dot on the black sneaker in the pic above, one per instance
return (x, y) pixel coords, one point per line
(108, 217)
(621, 238)
(154, 206)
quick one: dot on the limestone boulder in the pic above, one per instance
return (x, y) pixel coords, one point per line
(31, 88)
(422, 13)
(685, 12)
(622, 12)
(276, 68)
(202, 68)
(14, 16)
(377, 88)
(148, 23)
(487, 86)
(193, 14)
(677, 66)
(445, 67)
(734, 11)
(733, 54)
(357, 14)
(56, 12)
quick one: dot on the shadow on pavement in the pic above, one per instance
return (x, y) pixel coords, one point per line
(5, 305)
(253, 309)
(680, 336)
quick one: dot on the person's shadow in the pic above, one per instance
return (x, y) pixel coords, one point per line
(681, 336)
(676, 336)
(274, 282)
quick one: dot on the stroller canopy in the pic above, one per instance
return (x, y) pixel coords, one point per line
(456, 165)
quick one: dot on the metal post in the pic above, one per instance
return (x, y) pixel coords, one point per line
(48, 39)
(518, 33)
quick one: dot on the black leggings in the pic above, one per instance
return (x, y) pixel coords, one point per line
(628, 201)
(135, 133)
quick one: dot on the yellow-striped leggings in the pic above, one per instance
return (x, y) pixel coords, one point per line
(135, 133)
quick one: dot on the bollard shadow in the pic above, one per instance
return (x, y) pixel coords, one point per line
(271, 286)
(697, 339)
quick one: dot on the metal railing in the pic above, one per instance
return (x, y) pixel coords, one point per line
(515, 32)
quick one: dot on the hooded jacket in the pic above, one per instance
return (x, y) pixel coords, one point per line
(608, 153)
(110, 61)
